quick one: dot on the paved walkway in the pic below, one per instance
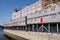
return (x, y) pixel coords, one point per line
(34, 35)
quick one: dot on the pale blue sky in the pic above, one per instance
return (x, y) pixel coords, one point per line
(7, 6)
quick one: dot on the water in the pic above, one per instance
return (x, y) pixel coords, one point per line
(1, 35)
(5, 37)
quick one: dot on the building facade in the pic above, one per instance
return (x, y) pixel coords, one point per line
(36, 6)
(40, 17)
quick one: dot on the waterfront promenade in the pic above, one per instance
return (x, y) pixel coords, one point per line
(17, 34)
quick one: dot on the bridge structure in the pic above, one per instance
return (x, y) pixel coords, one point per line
(42, 24)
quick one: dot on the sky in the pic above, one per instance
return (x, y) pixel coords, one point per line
(7, 6)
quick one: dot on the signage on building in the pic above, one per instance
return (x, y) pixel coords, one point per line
(41, 20)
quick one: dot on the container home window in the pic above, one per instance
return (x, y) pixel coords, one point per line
(58, 12)
(53, 17)
(53, 8)
(45, 11)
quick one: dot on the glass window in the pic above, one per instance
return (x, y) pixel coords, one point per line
(53, 16)
(53, 8)
(53, 26)
(45, 11)
(58, 12)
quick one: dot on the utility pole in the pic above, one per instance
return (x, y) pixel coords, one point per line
(26, 23)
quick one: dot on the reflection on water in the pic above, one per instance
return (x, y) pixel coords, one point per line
(1, 34)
